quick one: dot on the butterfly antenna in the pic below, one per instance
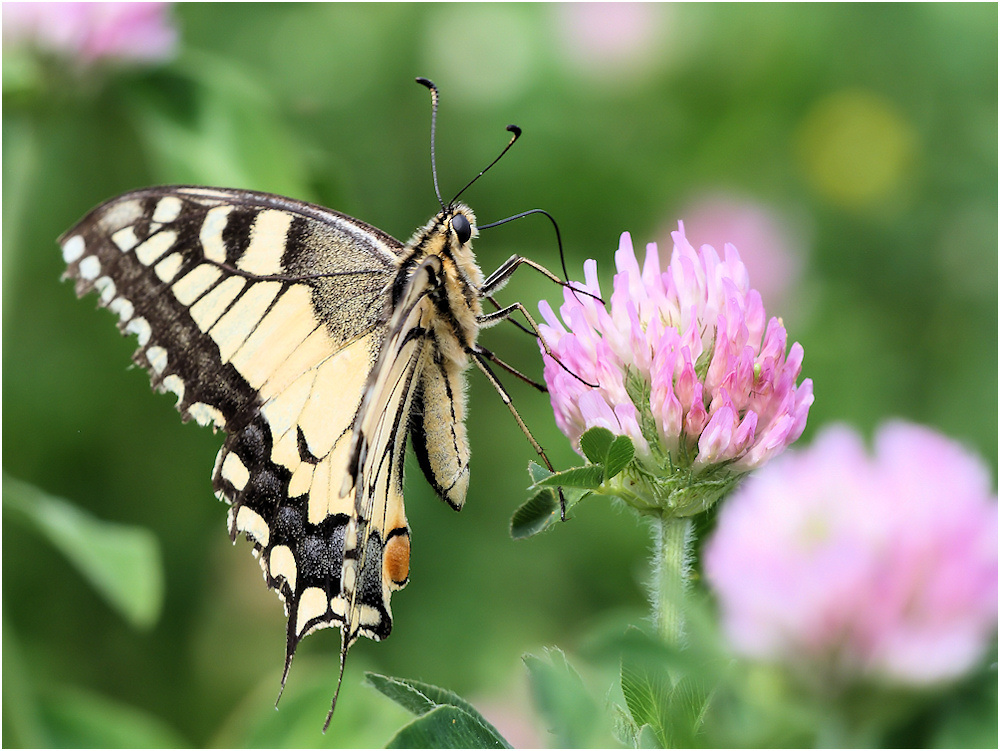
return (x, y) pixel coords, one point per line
(510, 129)
(344, 646)
(555, 226)
(435, 99)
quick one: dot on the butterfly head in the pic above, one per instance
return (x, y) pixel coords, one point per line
(448, 234)
(459, 225)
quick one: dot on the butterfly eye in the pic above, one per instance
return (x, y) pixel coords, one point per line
(463, 230)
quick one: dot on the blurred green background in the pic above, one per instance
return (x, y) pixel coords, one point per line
(849, 152)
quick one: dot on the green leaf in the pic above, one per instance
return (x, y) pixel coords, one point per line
(670, 701)
(415, 696)
(647, 694)
(689, 703)
(625, 730)
(595, 444)
(620, 453)
(461, 726)
(403, 692)
(647, 738)
(537, 472)
(603, 448)
(448, 727)
(568, 710)
(121, 562)
(536, 514)
(589, 478)
(541, 510)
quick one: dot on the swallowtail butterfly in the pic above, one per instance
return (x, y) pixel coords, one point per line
(320, 345)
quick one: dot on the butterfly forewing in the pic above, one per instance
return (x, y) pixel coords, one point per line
(264, 316)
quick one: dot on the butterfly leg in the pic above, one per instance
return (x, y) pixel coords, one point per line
(490, 319)
(499, 278)
(480, 355)
(502, 275)
(491, 356)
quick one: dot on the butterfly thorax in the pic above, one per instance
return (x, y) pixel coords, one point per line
(457, 299)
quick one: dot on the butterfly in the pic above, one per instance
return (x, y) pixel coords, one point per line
(321, 346)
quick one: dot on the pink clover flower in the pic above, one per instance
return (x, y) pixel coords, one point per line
(685, 363)
(848, 566)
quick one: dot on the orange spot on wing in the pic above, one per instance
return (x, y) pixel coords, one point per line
(397, 559)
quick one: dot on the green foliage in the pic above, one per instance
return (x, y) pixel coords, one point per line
(122, 563)
(671, 710)
(537, 513)
(608, 454)
(567, 709)
(444, 719)
(612, 453)
(447, 727)
(542, 509)
(231, 132)
(584, 478)
(84, 719)
(363, 718)
(695, 696)
(969, 721)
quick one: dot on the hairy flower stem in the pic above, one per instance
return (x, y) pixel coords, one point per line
(671, 571)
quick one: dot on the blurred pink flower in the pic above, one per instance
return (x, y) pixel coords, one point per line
(88, 33)
(833, 561)
(511, 715)
(608, 40)
(766, 241)
(686, 363)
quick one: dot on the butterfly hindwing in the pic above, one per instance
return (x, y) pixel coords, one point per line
(378, 538)
(438, 430)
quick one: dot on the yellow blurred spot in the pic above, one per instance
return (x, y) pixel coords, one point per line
(855, 148)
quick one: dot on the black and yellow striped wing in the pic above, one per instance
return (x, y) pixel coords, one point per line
(267, 317)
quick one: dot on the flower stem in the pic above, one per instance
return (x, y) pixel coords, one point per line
(671, 570)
